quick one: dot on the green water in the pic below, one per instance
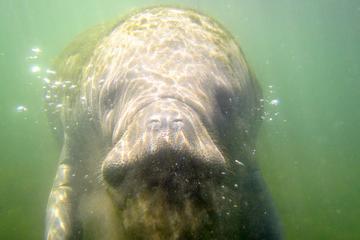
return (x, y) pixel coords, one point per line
(306, 55)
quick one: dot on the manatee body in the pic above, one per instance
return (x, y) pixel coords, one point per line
(157, 114)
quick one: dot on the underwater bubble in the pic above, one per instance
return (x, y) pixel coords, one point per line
(59, 105)
(49, 71)
(46, 80)
(223, 197)
(239, 163)
(223, 173)
(36, 50)
(235, 205)
(35, 69)
(236, 186)
(21, 108)
(275, 102)
(32, 57)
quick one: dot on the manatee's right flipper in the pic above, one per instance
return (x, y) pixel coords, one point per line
(60, 217)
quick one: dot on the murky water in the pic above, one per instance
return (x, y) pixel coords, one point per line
(306, 54)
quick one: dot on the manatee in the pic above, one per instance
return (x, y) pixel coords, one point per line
(157, 114)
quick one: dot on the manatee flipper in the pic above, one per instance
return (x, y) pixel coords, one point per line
(60, 208)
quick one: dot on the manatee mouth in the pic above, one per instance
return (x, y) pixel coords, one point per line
(179, 176)
(168, 169)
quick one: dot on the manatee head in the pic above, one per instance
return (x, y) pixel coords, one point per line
(166, 147)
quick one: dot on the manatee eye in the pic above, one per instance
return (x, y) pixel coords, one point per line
(225, 101)
(109, 99)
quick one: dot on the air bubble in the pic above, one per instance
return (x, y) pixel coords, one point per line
(35, 69)
(21, 108)
(239, 163)
(36, 50)
(275, 102)
(49, 71)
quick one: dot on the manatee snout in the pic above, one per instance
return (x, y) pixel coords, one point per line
(165, 145)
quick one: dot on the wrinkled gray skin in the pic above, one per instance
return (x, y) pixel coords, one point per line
(159, 125)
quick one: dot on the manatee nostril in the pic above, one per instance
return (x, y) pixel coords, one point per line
(176, 120)
(165, 122)
(113, 174)
(177, 123)
(154, 123)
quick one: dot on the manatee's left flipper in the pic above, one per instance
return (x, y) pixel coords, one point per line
(59, 210)
(60, 216)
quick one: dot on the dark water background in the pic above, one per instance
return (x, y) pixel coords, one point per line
(306, 55)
